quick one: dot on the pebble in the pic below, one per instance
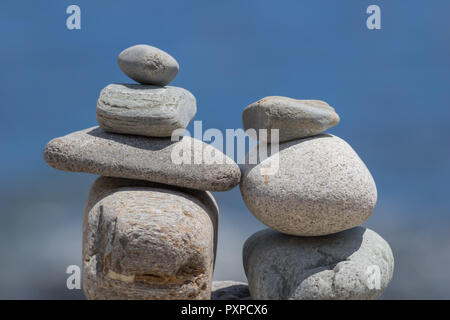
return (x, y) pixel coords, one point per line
(144, 110)
(143, 240)
(148, 65)
(230, 290)
(293, 118)
(135, 157)
(321, 187)
(353, 264)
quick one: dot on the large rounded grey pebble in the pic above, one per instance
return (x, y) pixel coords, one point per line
(125, 156)
(352, 264)
(148, 241)
(321, 187)
(230, 290)
(148, 65)
(145, 110)
(293, 118)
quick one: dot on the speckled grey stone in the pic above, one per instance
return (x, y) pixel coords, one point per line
(293, 118)
(321, 187)
(143, 240)
(148, 65)
(352, 264)
(144, 110)
(125, 156)
(230, 290)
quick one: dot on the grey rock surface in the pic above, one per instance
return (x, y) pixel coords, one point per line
(293, 118)
(352, 264)
(144, 109)
(230, 290)
(187, 163)
(143, 240)
(321, 187)
(148, 65)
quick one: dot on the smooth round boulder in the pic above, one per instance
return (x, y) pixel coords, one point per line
(144, 110)
(315, 186)
(144, 240)
(148, 65)
(294, 119)
(352, 264)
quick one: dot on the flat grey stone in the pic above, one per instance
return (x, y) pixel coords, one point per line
(352, 264)
(321, 187)
(293, 118)
(148, 65)
(143, 240)
(230, 290)
(125, 156)
(145, 110)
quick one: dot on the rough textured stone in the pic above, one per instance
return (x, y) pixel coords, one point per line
(352, 264)
(148, 65)
(293, 118)
(321, 187)
(143, 240)
(144, 110)
(230, 290)
(98, 152)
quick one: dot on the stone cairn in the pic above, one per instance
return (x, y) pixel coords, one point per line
(150, 223)
(314, 202)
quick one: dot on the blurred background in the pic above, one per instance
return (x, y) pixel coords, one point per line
(389, 86)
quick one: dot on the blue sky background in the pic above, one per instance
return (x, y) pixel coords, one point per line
(390, 88)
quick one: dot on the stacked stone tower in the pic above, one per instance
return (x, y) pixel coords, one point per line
(150, 225)
(317, 193)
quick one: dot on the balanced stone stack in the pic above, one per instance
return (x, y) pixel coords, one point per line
(315, 200)
(150, 223)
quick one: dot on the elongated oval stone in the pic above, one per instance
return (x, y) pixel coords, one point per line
(293, 118)
(144, 110)
(352, 264)
(316, 186)
(148, 65)
(143, 240)
(186, 163)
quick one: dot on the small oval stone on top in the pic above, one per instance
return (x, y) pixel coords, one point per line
(148, 65)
